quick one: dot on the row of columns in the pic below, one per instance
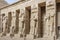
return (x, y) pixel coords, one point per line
(35, 21)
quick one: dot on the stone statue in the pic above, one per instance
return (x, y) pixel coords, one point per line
(35, 28)
(47, 19)
(21, 35)
(52, 25)
(5, 29)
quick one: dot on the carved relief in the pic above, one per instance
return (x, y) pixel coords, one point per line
(5, 29)
(35, 28)
(22, 31)
(47, 26)
(51, 10)
(52, 25)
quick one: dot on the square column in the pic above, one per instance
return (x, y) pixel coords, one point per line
(35, 22)
(22, 23)
(12, 28)
(51, 17)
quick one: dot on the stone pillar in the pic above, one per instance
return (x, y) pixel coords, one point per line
(35, 19)
(26, 22)
(51, 17)
(12, 28)
(9, 22)
(17, 21)
(4, 22)
(21, 22)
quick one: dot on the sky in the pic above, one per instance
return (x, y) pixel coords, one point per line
(11, 1)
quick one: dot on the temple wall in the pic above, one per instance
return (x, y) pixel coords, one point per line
(28, 21)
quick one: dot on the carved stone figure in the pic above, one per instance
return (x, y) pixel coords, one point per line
(52, 25)
(47, 27)
(5, 29)
(35, 28)
(21, 35)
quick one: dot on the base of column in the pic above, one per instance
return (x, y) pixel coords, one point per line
(30, 36)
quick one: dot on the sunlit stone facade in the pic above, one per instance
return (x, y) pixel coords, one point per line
(31, 20)
(3, 3)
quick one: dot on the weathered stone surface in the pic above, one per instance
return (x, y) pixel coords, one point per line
(3, 3)
(29, 20)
